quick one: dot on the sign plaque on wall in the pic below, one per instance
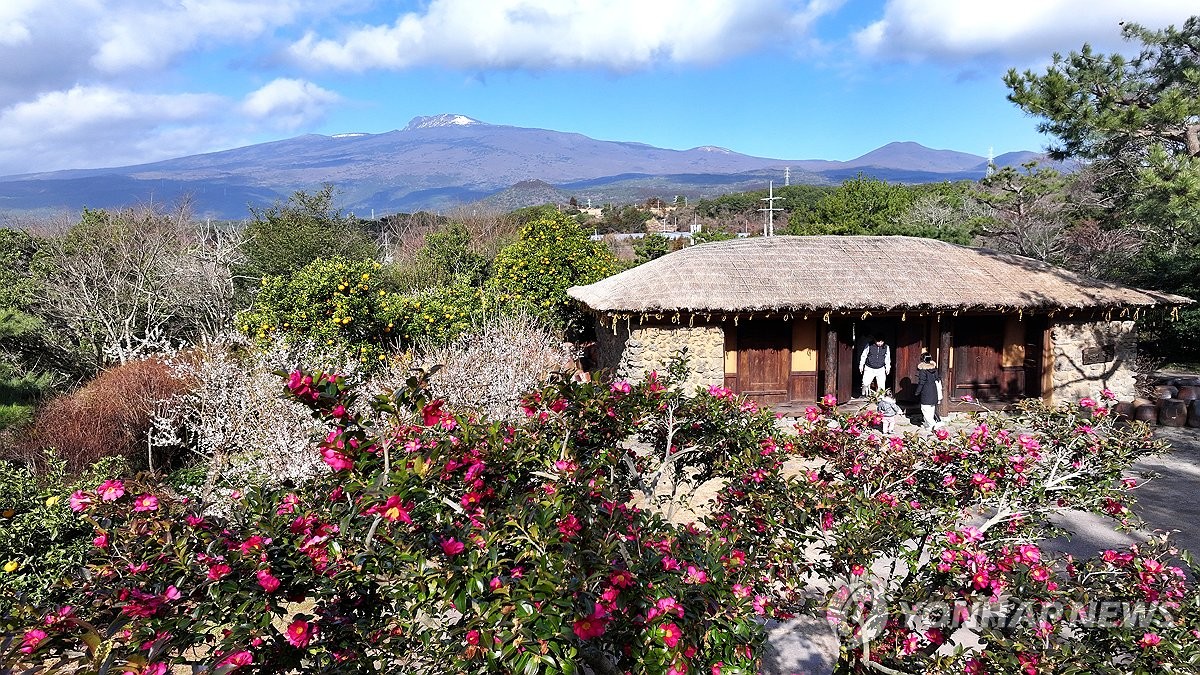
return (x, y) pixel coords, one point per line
(1097, 355)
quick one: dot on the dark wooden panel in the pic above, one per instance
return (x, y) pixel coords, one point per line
(945, 340)
(829, 359)
(978, 342)
(764, 360)
(1012, 382)
(847, 369)
(803, 386)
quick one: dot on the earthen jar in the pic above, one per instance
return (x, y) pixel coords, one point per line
(1172, 412)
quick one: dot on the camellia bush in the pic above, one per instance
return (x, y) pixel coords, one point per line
(443, 543)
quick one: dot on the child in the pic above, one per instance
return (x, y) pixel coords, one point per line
(889, 410)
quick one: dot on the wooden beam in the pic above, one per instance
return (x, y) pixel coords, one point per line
(945, 344)
(831, 359)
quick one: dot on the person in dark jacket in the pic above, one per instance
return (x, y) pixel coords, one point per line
(929, 389)
(875, 364)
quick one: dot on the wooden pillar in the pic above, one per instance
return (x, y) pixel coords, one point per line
(831, 359)
(945, 344)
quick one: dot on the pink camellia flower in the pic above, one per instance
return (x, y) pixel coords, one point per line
(695, 575)
(829, 400)
(472, 637)
(172, 594)
(941, 434)
(336, 460)
(145, 503)
(680, 667)
(1087, 402)
(621, 387)
(1029, 553)
(79, 500)
(267, 580)
(101, 540)
(669, 605)
(300, 633)
(237, 659)
(1149, 640)
(910, 644)
(111, 490)
(670, 634)
(31, 640)
(967, 398)
(452, 547)
(857, 570)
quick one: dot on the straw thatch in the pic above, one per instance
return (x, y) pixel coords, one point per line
(790, 274)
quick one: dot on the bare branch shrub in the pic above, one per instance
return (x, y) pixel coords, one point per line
(489, 368)
(235, 418)
(124, 284)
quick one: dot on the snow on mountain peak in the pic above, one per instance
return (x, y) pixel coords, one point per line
(443, 120)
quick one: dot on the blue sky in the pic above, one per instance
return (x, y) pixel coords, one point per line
(91, 83)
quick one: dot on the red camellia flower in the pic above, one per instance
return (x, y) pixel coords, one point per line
(472, 637)
(452, 546)
(218, 571)
(394, 509)
(670, 634)
(300, 633)
(569, 526)
(145, 503)
(111, 490)
(591, 626)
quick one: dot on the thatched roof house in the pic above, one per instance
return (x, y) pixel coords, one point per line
(784, 318)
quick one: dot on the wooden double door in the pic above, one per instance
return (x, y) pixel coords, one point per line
(764, 360)
(905, 339)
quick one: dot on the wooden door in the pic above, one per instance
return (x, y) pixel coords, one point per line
(912, 337)
(1035, 334)
(764, 360)
(978, 342)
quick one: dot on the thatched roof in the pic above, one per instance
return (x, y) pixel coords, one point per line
(825, 273)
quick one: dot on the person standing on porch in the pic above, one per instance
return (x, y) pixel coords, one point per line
(875, 364)
(929, 390)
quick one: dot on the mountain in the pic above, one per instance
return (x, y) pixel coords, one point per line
(442, 161)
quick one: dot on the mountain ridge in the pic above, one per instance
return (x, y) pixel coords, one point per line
(447, 160)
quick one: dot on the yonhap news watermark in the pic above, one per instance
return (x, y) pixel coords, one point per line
(864, 609)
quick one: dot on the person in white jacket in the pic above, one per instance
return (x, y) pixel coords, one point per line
(875, 364)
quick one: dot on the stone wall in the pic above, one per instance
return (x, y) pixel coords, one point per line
(637, 349)
(1113, 344)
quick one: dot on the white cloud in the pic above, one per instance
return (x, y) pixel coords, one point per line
(288, 103)
(541, 34)
(136, 36)
(104, 126)
(1022, 30)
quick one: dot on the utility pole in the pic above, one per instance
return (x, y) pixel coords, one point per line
(769, 211)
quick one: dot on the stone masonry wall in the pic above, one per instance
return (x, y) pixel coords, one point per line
(1072, 379)
(635, 350)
